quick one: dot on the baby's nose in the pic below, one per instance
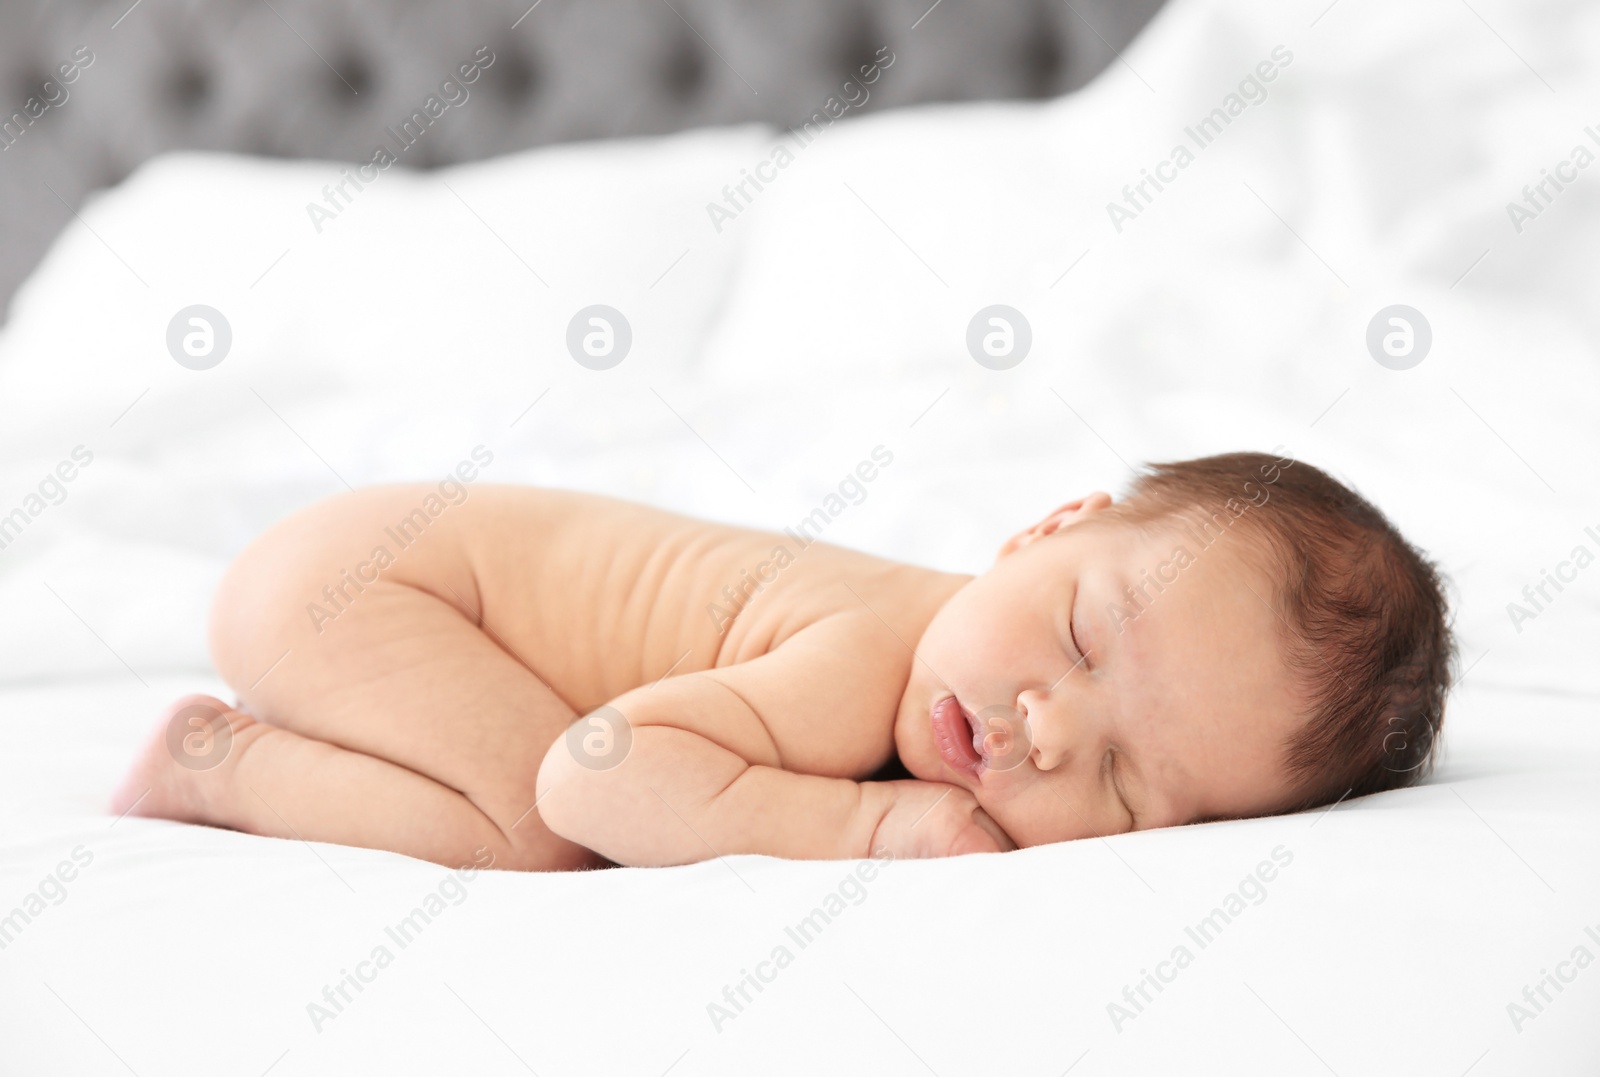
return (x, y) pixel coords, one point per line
(1049, 734)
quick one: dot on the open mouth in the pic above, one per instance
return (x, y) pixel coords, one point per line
(956, 733)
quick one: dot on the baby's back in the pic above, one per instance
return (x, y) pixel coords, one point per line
(600, 595)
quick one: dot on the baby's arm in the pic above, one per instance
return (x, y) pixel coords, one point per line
(754, 758)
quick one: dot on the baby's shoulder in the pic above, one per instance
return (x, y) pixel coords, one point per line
(862, 599)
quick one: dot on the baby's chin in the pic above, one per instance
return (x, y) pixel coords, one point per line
(1030, 821)
(1025, 834)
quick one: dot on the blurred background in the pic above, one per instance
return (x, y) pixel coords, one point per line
(303, 78)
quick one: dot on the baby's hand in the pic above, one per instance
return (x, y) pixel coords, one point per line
(927, 819)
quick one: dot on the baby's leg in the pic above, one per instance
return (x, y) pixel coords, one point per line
(272, 782)
(416, 694)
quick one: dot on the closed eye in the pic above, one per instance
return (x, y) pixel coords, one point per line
(1072, 630)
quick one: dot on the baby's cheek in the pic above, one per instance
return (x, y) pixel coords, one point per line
(1034, 817)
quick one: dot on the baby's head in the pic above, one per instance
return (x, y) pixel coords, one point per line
(1241, 635)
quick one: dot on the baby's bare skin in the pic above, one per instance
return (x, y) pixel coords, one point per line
(418, 700)
(593, 597)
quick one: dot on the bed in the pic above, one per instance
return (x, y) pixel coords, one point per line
(1448, 929)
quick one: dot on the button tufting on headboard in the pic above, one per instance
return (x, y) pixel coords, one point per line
(516, 77)
(189, 87)
(353, 80)
(1040, 59)
(325, 78)
(26, 83)
(683, 68)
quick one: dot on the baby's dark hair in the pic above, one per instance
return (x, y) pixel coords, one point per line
(1362, 613)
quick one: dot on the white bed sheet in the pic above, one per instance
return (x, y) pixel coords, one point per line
(768, 358)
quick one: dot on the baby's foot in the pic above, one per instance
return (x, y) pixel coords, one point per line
(167, 779)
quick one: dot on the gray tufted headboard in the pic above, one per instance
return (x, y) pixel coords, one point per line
(90, 88)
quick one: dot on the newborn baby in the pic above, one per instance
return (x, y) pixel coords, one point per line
(567, 680)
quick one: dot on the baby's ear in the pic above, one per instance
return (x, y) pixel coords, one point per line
(1070, 513)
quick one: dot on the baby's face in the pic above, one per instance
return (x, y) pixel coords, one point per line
(1174, 709)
